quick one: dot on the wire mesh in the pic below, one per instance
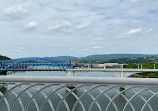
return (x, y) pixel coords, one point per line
(77, 97)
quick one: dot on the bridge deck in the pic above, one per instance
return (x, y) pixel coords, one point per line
(33, 70)
(115, 70)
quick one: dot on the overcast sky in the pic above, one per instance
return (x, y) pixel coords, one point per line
(77, 27)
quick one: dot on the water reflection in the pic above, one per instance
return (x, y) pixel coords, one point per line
(62, 73)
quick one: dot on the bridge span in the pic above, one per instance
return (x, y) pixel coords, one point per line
(122, 73)
(34, 64)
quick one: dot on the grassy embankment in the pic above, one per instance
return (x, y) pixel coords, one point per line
(144, 66)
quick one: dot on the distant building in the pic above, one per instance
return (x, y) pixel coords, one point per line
(74, 62)
(95, 65)
(110, 64)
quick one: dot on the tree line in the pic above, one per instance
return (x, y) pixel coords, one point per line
(4, 57)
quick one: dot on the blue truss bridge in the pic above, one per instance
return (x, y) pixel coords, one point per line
(35, 64)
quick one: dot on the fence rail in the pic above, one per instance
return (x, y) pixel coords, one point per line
(23, 93)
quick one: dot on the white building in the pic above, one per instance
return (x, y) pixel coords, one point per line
(110, 64)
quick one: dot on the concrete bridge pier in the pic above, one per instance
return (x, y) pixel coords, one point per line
(124, 74)
(72, 73)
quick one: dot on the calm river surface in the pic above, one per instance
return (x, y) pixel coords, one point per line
(120, 101)
(60, 73)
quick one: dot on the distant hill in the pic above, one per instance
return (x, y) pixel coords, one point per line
(105, 57)
(64, 58)
(4, 57)
(98, 57)
(138, 60)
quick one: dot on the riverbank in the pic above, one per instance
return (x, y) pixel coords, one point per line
(146, 75)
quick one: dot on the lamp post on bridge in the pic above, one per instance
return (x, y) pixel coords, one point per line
(141, 66)
(138, 66)
(88, 66)
(104, 66)
(154, 66)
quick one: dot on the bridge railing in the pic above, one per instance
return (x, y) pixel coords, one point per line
(77, 94)
(115, 69)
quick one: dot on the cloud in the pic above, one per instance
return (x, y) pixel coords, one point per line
(93, 48)
(61, 27)
(133, 1)
(87, 49)
(134, 31)
(97, 39)
(84, 25)
(16, 11)
(72, 49)
(150, 29)
(97, 47)
(22, 48)
(19, 49)
(31, 25)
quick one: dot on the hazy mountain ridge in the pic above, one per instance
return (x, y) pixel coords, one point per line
(98, 57)
(105, 57)
(65, 57)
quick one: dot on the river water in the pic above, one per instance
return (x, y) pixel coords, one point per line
(87, 99)
(61, 73)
